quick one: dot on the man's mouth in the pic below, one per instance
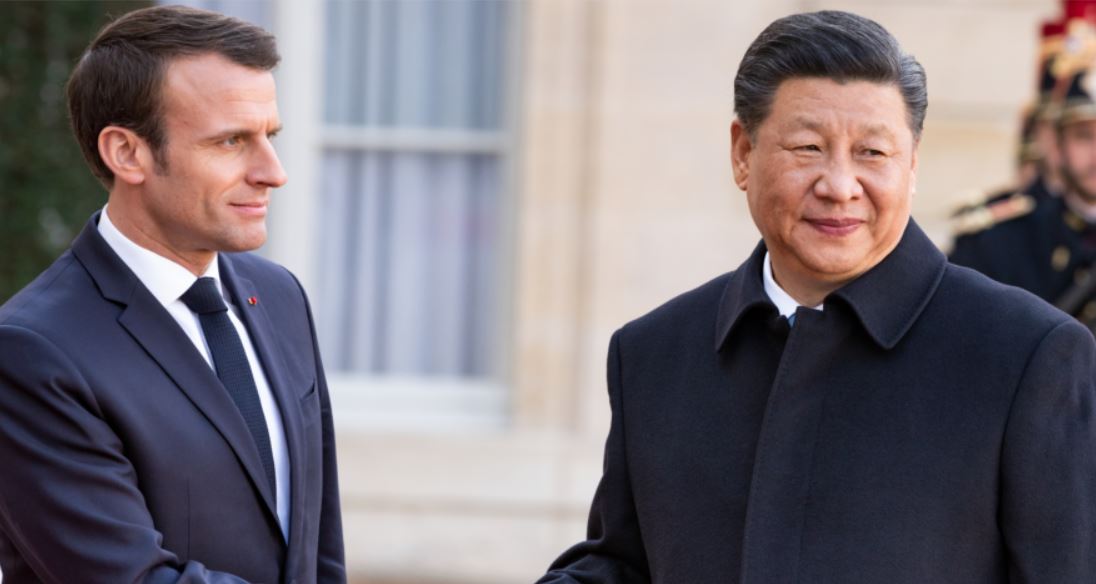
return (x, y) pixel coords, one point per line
(250, 208)
(835, 226)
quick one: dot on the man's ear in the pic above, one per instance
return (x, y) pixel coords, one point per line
(913, 167)
(126, 154)
(741, 146)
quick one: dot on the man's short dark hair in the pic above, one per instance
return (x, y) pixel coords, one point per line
(829, 45)
(118, 80)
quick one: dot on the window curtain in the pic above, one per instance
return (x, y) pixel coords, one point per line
(409, 257)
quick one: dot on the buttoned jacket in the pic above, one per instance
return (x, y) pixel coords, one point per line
(123, 458)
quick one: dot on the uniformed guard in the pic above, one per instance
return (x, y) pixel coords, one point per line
(1040, 136)
(1047, 245)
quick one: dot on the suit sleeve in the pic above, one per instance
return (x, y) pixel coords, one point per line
(613, 551)
(1048, 465)
(69, 502)
(330, 561)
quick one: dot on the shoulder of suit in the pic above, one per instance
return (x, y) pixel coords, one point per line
(56, 291)
(995, 210)
(265, 275)
(253, 265)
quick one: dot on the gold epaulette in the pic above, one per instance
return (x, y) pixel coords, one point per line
(982, 217)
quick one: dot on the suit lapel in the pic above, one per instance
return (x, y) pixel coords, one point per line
(263, 337)
(146, 320)
(152, 327)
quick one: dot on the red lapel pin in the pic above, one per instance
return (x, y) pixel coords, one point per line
(253, 300)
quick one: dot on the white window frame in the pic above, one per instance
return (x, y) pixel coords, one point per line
(366, 402)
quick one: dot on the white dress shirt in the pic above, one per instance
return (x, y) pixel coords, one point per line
(783, 301)
(168, 281)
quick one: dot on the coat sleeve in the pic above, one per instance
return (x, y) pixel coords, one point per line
(69, 502)
(1048, 463)
(330, 562)
(613, 551)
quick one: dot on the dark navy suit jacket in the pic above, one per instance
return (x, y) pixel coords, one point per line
(930, 425)
(122, 457)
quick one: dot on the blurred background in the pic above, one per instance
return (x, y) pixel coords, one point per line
(480, 192)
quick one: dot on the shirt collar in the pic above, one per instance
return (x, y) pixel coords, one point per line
(887, 299)
(165, 279)
(784, 302)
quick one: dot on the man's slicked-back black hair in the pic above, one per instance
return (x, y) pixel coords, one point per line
(828, 44)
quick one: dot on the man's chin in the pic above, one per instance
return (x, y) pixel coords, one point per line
(840, 266)
(1086, 193)
(242, 244)
(1083, 191)
(829, 269)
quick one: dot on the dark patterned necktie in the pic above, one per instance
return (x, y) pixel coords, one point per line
(230, 361)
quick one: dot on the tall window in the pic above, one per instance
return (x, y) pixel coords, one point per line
(413, 182)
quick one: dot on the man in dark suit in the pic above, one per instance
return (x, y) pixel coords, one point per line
(164, 415)
(846, 406)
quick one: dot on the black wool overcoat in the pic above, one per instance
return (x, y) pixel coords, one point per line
(929, 425)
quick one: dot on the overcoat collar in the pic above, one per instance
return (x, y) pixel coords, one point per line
(886, 299)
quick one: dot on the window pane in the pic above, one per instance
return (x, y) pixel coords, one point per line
(409, 262)
(255, 11)
(415, 63)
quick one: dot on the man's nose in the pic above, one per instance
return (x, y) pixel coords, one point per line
(839, 180)
(266, 169)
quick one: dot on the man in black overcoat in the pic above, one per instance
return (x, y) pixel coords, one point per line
(845, 407)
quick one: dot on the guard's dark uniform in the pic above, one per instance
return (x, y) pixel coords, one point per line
(1034, 240)
(1046, 249)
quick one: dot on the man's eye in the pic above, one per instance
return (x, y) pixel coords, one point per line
(809, 148)
(231, 141)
